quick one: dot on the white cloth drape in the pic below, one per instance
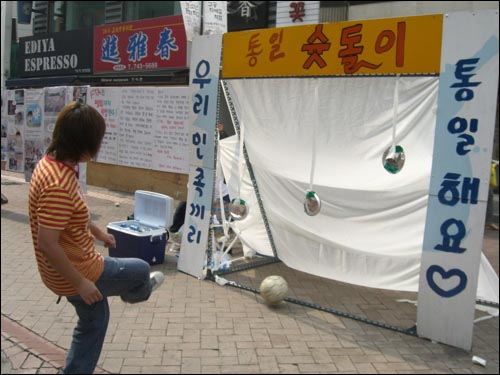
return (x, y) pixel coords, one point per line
(371, 225)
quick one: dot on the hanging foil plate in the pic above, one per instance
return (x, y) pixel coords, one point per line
(312, 203)
(238, 209)
(394, 159)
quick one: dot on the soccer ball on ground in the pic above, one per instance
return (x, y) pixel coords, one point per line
(273, 289)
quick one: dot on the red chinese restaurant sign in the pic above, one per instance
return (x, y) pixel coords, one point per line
(405, 45)
(150, 44)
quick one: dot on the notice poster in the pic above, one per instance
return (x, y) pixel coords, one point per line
(4, 102)
(214, 17)
(191, 14)
(4, 138)
(80, 94)
(171, 130)
(107, 100)
(15, 131)
(4, 125)
(54, 101)
(146, 127)
(34, 143)
(135, 137)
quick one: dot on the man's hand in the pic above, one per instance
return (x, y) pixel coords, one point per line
(107, 238)
(89, 292)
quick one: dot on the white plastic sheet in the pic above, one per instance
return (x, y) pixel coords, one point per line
(370, 228)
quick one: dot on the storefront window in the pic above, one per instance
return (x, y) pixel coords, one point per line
(14, 54)
(136, 10)
(84, 14)
(57, 14)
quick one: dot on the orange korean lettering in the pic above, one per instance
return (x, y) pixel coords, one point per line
(253, 49)
(387, 38)
(298, 11)
(350, 38)
(315, 50)
(276, 40)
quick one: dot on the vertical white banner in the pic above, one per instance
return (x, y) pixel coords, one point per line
(460, 178)
(191, 14)
(214, 17)
(204, 83)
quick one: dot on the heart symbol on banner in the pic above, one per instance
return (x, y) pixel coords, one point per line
(446, 275)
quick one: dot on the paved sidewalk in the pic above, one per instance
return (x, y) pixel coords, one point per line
(193, 326)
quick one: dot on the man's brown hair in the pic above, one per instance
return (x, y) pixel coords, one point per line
(79, 130)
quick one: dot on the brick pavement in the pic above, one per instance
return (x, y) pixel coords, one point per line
(192, 326)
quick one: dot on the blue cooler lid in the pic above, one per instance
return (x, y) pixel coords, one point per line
(153, 209)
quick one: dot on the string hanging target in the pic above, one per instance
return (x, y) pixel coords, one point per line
(312, 203)
(238, 209)
(393, 158)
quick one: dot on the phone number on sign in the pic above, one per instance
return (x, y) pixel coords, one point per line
(152, 65)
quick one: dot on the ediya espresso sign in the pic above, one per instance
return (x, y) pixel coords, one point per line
(150, 44)
(55, 54)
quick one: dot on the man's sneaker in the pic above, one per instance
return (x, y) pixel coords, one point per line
(156, 278)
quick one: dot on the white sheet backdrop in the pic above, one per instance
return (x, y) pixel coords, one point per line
(371, 225)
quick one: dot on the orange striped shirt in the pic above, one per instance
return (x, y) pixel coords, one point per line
(55, 202)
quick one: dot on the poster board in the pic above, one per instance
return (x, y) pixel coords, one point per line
(171, 130)
(146, 127)
(107, 101)
(15, 124)
(37, 137)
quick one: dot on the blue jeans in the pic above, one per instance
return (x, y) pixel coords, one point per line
(124, 277)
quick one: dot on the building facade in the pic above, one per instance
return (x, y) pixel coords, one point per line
(29, 60)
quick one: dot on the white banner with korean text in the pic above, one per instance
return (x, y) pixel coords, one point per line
(204, 17)
(191, 14)
(204, 83)
(460, 178)
(214, 17)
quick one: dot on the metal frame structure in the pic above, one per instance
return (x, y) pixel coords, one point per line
(214, 275)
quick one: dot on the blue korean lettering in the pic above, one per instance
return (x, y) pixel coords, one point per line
(192, 233)
(197, 139)
(470, 190)
(166, 44)
(197, 211)
(198, 181)
(461, 146)
(450, 185)
(109, 49)
(200, 76)
(462, 68)
(451, 242)
(199, 101)
(137, 47)
(459, 125)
